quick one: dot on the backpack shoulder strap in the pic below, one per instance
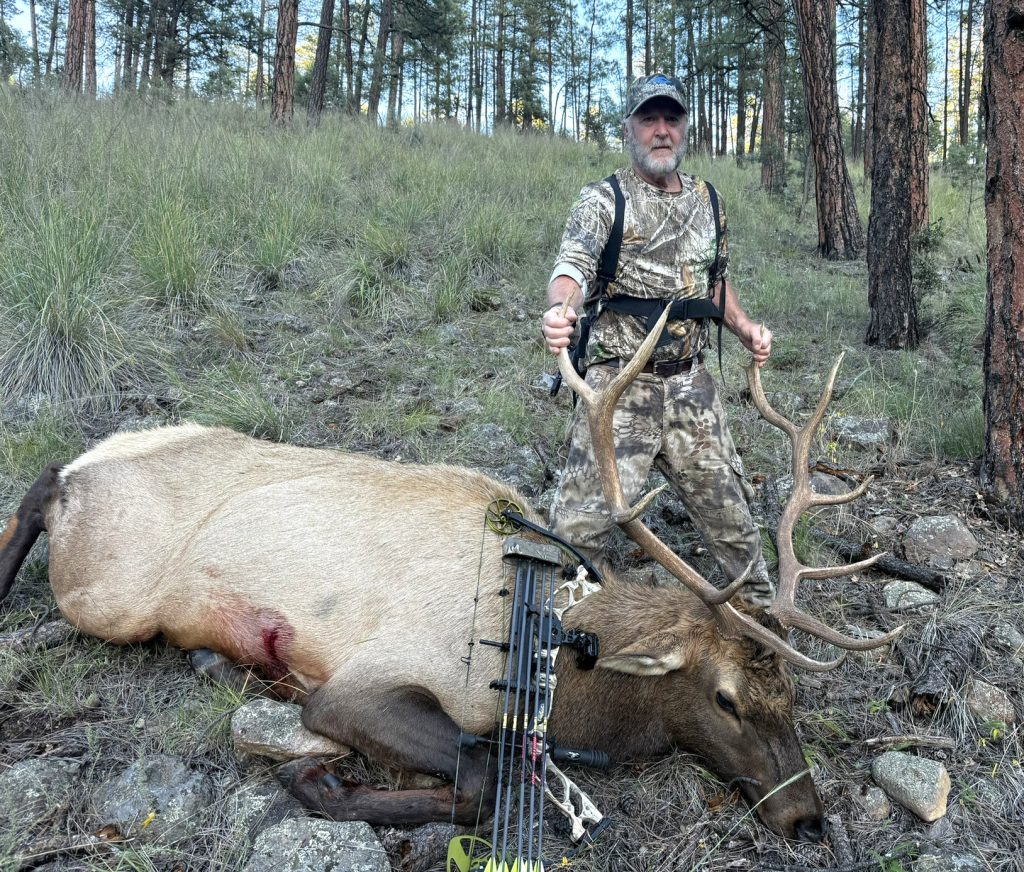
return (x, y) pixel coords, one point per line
(609, 264)
(713, 197)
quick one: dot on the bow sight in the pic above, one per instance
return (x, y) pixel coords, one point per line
(525, 755)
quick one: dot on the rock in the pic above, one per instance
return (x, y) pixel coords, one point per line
(311, 845)
(884, 525)
(786, 402)
(931, 862)
(872, 802)
(269, 728)
(419, 849)
(907, 596)
(989, 704)
(821, 483)
(927, 540)
(863, 432)
(1009, 638)
(155, 799)
(33, 789)
(255, 806)
(920, 785)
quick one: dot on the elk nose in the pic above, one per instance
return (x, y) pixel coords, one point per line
(810, 829)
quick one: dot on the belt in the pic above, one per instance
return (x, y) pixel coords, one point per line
(663, 368)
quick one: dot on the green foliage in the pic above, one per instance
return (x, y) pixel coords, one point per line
(234, 396)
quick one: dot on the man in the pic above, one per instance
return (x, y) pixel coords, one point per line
(671, 415)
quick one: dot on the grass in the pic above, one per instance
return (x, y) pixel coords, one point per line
(381, 290)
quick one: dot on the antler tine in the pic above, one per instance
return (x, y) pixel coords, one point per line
(802, 498)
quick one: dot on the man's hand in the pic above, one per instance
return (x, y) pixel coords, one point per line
(558, 328)
(757, 339)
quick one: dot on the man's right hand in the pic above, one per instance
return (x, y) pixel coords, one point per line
(558, 328)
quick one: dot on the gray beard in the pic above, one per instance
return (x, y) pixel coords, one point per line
(651, 165)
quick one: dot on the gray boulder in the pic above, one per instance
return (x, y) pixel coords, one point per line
(311, 845)
(33, 789)
(938, 541)
(989, 703)
(269, 728)
(155, 799)
(918, 784)
(874, 433)
(908, 596)
(931, 862)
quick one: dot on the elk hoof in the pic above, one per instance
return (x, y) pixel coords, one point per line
(316, 785)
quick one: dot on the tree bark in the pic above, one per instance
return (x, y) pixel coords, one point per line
(260, 60)
(1002, 466)
(35, 40)
(89, 81)
(890, 287)
(919, 117)
(282, 107)
(840, 235)
(869, 83)
(773, 144)
(75, 50)
(379, 57)
(52, 48)
(318, 82)
(629, 42)
(966, 71)
(394, 84)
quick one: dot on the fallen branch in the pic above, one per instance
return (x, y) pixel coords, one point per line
(46, 636)
(915, 741)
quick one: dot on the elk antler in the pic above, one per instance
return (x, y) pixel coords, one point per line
(600, 409)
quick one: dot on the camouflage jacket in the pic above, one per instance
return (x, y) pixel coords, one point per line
(668, 248)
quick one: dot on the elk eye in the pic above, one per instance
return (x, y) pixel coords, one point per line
(726, 704)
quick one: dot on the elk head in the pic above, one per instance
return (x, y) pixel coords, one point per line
(728, 695)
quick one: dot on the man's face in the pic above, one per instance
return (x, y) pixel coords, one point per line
(656, 136)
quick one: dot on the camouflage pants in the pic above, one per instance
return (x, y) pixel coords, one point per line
(677, 424)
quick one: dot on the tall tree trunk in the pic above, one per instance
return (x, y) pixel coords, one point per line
(869, 86)
(379, 57)
(858, 100)
(741, 110)
(945, 85)
(470, 65)
(966, 72)
(346, 34)
(1002, 464)
(890, 287)
(648, 39)
(773, 144)
(89, 81)
(500, 93)
(75, 50)
(260, 60)
(919, 116)
(755, 118)
(51, 50)
(629, 41)
(318, 82)
(35, 40)
(360, 65)
(840, 236)
(394, 90)
(282, 107)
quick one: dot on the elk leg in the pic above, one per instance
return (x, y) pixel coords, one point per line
(404, 728)
(242, 679)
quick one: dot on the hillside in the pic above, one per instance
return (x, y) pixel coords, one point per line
(380, 292)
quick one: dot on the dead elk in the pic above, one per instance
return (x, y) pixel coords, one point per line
(354, 579)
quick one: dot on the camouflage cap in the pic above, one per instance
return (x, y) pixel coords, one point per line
(659, 85)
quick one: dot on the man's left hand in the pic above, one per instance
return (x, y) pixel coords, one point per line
(757, 339)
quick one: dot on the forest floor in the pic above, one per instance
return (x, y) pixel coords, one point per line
(296, 352)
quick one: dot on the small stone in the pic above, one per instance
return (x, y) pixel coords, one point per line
(884, 525)
(942, 536)
(931, 862)
(918, 784)
(872, 802)
(34, 788)
(1009, 638)
(269, 728)
(863, 432)
(990, 704)
(906, 596)
(155, 799)
(311, 845)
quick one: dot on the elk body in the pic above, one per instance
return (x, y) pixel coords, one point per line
(362, 582)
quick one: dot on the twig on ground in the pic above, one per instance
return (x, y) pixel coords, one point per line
(46, 636)
(917, 741)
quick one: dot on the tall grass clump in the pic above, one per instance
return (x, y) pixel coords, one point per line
(66, 328)
(233, 396)
(172, 256)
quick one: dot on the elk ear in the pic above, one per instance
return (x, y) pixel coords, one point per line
(654, 655)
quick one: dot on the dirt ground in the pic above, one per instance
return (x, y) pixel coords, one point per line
(103, 706)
